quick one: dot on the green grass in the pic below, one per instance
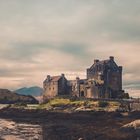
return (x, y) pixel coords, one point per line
(59, 102)
(69, 104)
(103, 103)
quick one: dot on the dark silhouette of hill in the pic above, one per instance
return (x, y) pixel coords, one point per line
(8, 97)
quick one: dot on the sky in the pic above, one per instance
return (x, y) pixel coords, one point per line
(41, 37)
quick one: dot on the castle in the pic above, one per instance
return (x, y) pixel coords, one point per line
(104, 80)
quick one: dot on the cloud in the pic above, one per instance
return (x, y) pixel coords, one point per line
(41, 37)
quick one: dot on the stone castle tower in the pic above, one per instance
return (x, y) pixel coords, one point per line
(104, 80)
(108, 76)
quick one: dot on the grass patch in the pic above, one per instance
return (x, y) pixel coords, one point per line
(103, 104)
(59, 102)
(78, 103)
(44, 106)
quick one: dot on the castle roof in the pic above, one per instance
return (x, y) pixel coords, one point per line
(102, 62)
(55, 78)
(108, 62)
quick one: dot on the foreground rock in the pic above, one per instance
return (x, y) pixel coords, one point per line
(91, 125)
(8, 97)
(10, 130)
(134, 125)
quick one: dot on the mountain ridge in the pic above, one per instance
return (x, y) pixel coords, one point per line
(33, 91)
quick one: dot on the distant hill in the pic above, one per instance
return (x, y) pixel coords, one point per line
(8, 97)
(33, 91)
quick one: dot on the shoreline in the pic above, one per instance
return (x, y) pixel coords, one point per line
(71, 126)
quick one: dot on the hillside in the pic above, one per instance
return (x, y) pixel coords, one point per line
(33, 91)
(8, 97)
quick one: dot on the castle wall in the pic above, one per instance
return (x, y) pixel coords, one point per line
(63, 87)
(50, 89)
(54, 87)
(104, 80)
(108, 76)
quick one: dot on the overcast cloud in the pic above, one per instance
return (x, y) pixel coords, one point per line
(40, 37)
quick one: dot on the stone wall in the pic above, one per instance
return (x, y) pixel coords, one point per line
(55, 86)
(50, 89)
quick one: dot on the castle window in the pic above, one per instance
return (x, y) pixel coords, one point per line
(100, 67)
(97, 67)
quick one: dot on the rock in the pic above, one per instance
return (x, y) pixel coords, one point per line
(11, 137)
(134, 125)
(83, 109)
(36, 137)
(10, 130)
(81, 139)
(58, 108)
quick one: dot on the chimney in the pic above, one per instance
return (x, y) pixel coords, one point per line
(48, 77)
(63, 75)
(77, 78)
(96, 61)
(111, 58)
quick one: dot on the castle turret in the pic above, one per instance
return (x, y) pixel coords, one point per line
(111, 58)
(96, 61)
